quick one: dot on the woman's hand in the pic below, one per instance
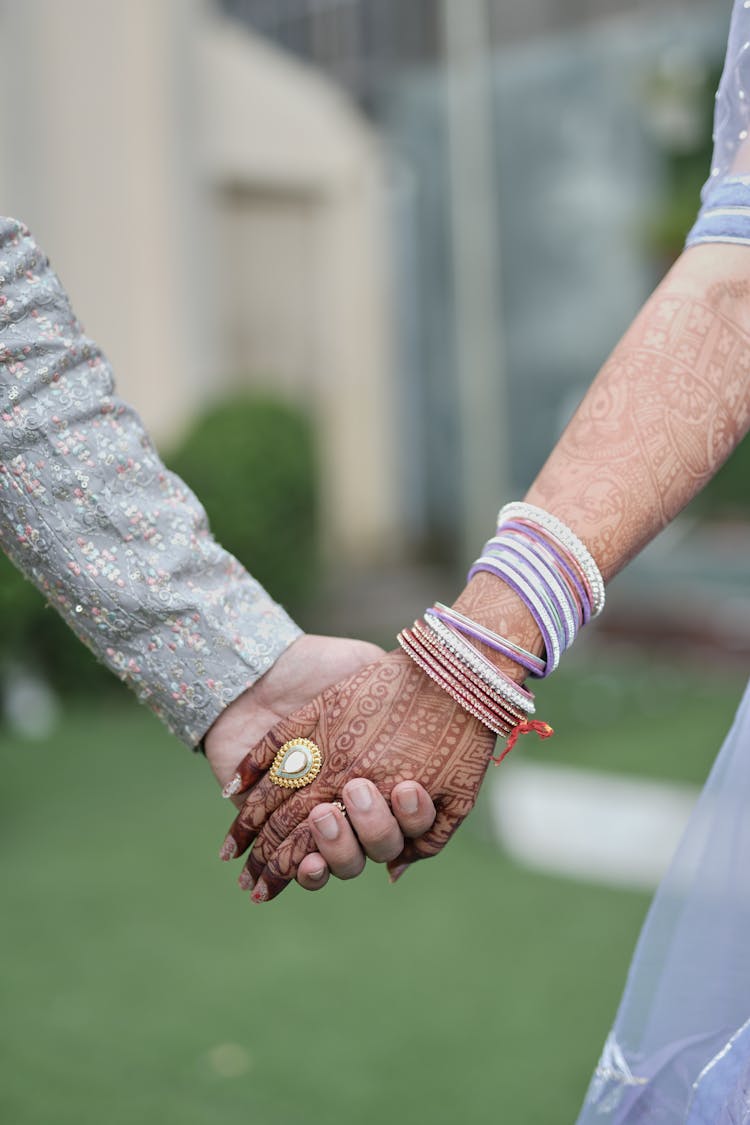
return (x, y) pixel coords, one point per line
(386, 725)
(309, 665)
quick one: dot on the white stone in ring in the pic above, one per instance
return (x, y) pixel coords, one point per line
(297, 763)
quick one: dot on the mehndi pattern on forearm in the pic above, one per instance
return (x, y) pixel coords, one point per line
(663, 414)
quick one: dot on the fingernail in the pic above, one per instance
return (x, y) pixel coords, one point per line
(327, 825)
(408, 799)
(317, 874)
(359, 794)
(397, 872)
(228, 848)
(232, 786)
(246, 880)
(260, 894)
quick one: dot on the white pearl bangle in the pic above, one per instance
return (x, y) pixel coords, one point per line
(520, 510)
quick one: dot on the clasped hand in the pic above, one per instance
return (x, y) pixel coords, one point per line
(390, 738)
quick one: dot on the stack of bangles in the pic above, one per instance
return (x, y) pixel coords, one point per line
(557, 579)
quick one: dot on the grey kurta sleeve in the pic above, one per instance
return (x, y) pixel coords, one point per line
(117, 544)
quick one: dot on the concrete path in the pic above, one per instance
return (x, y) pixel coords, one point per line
(586, 825)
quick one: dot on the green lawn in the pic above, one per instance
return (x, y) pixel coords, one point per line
(139, 986)
(633, 715)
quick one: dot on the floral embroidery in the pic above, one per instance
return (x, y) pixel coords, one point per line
(118, 545)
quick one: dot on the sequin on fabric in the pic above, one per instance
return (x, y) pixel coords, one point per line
(117, 544)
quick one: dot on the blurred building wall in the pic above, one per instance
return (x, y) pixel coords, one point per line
(215, 210)
(94, 158)
(554, 186)
(223, 214)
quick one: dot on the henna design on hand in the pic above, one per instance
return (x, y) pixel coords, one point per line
(663, 414)
(389, 723)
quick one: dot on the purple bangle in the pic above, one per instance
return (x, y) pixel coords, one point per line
(551, 563)
(452, 617)
(538, 594)
(499, 571)
(552, 584)
(495, 643)
(521, 529)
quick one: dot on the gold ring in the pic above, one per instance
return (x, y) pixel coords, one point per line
(340, 806)
(296, 764)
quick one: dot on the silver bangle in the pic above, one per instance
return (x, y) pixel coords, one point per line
(580, 552)
(481, 667)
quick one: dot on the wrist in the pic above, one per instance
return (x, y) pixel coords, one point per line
(242, 723)
(258, 708)
(307, 667)
(489, 601)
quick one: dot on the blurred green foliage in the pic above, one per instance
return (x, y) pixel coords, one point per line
(680, 107)
(35, 635)
(728, 494)
(251, 462)
(22, 609)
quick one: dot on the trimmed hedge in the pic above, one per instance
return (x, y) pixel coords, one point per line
(728, 494)
(251, 461)
(34, 634)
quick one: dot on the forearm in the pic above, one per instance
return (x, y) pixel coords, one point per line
(661, 417)
(664, 413)
(118, 545)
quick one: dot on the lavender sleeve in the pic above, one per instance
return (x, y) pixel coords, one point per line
(116, 543)
(724, 215)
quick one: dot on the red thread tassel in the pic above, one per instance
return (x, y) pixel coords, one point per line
(544, 730)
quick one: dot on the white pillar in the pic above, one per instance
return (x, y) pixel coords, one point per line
(480, 371)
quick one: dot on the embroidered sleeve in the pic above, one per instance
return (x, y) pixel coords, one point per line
(116, 543)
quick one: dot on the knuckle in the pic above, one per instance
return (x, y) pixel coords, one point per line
(351, 869)
(252, 815)
(262, 847)
(244, 816)
(279, 869)
(416, 825)
(387, 851)
(311, 875)
(309, 884)
(380, 836)
(421, 849)
(268, 840)
(272, 834)
(299, 848)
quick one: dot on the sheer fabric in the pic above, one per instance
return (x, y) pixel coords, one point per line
(680, 1047)
(679, 1050)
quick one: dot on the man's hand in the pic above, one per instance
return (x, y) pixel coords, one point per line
(309, 666)
(387, 725)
